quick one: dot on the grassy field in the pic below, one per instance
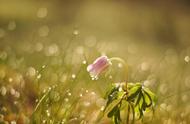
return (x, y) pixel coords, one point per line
(46, 46)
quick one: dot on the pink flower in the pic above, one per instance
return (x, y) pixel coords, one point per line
(98, 66)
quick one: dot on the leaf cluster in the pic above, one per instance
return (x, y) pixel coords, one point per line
(133, 99)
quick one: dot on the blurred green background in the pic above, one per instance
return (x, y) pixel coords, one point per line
(48, 44)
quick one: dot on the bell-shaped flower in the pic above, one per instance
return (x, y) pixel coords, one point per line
(98, 66)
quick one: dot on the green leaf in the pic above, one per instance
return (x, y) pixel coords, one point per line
(151, 94)
(148, 99)
(138, 99)
(144, 103)
(141, 113)
(128, 114)
(116, 117)
(133, 92)
(111, 90)
(133, 112)
(112, 112)
(110, 106)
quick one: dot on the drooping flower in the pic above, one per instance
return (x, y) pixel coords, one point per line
(98, 66)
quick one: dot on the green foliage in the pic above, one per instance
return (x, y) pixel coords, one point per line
(132, 98)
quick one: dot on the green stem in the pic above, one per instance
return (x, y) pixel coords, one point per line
(123, 63)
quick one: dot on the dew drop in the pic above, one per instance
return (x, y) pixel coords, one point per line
(75, 32)
(86, 104)
(73, 76)
(13, 122)
(102, 108)
(3, 90)
(44, 121)
(120, 89)
(43, 66)
(52, 50)
(163, 106)
(17, 94)
(31, 72)
(66, 99)
(80, 50)
(69, 94)
(187, 59)
(10, 79)
(48, 113)
(12, 91)
(110, 77)
(93, 93)
(63, 78)
(147, 83)
(144, 66)
(39, 76)
(84, 62)
(80, 95)
(120, 65)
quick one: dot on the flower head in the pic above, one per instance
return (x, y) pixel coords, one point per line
(98, 66)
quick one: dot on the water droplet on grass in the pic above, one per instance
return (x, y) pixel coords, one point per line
(73, 76)
(86, 104)
(3, 90)
(10, 79)
(31, 72)
(84, 62)
(144, 66)
(93, 93)
(102, 108)
(66, 99)
(110, 77)
(13, 122)
(69, 94)
(120, 65)
(187, 59)
(17, 94)
(48, 113)
(12, 91)
(80, 95)
(75, 32)
(39, 76)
